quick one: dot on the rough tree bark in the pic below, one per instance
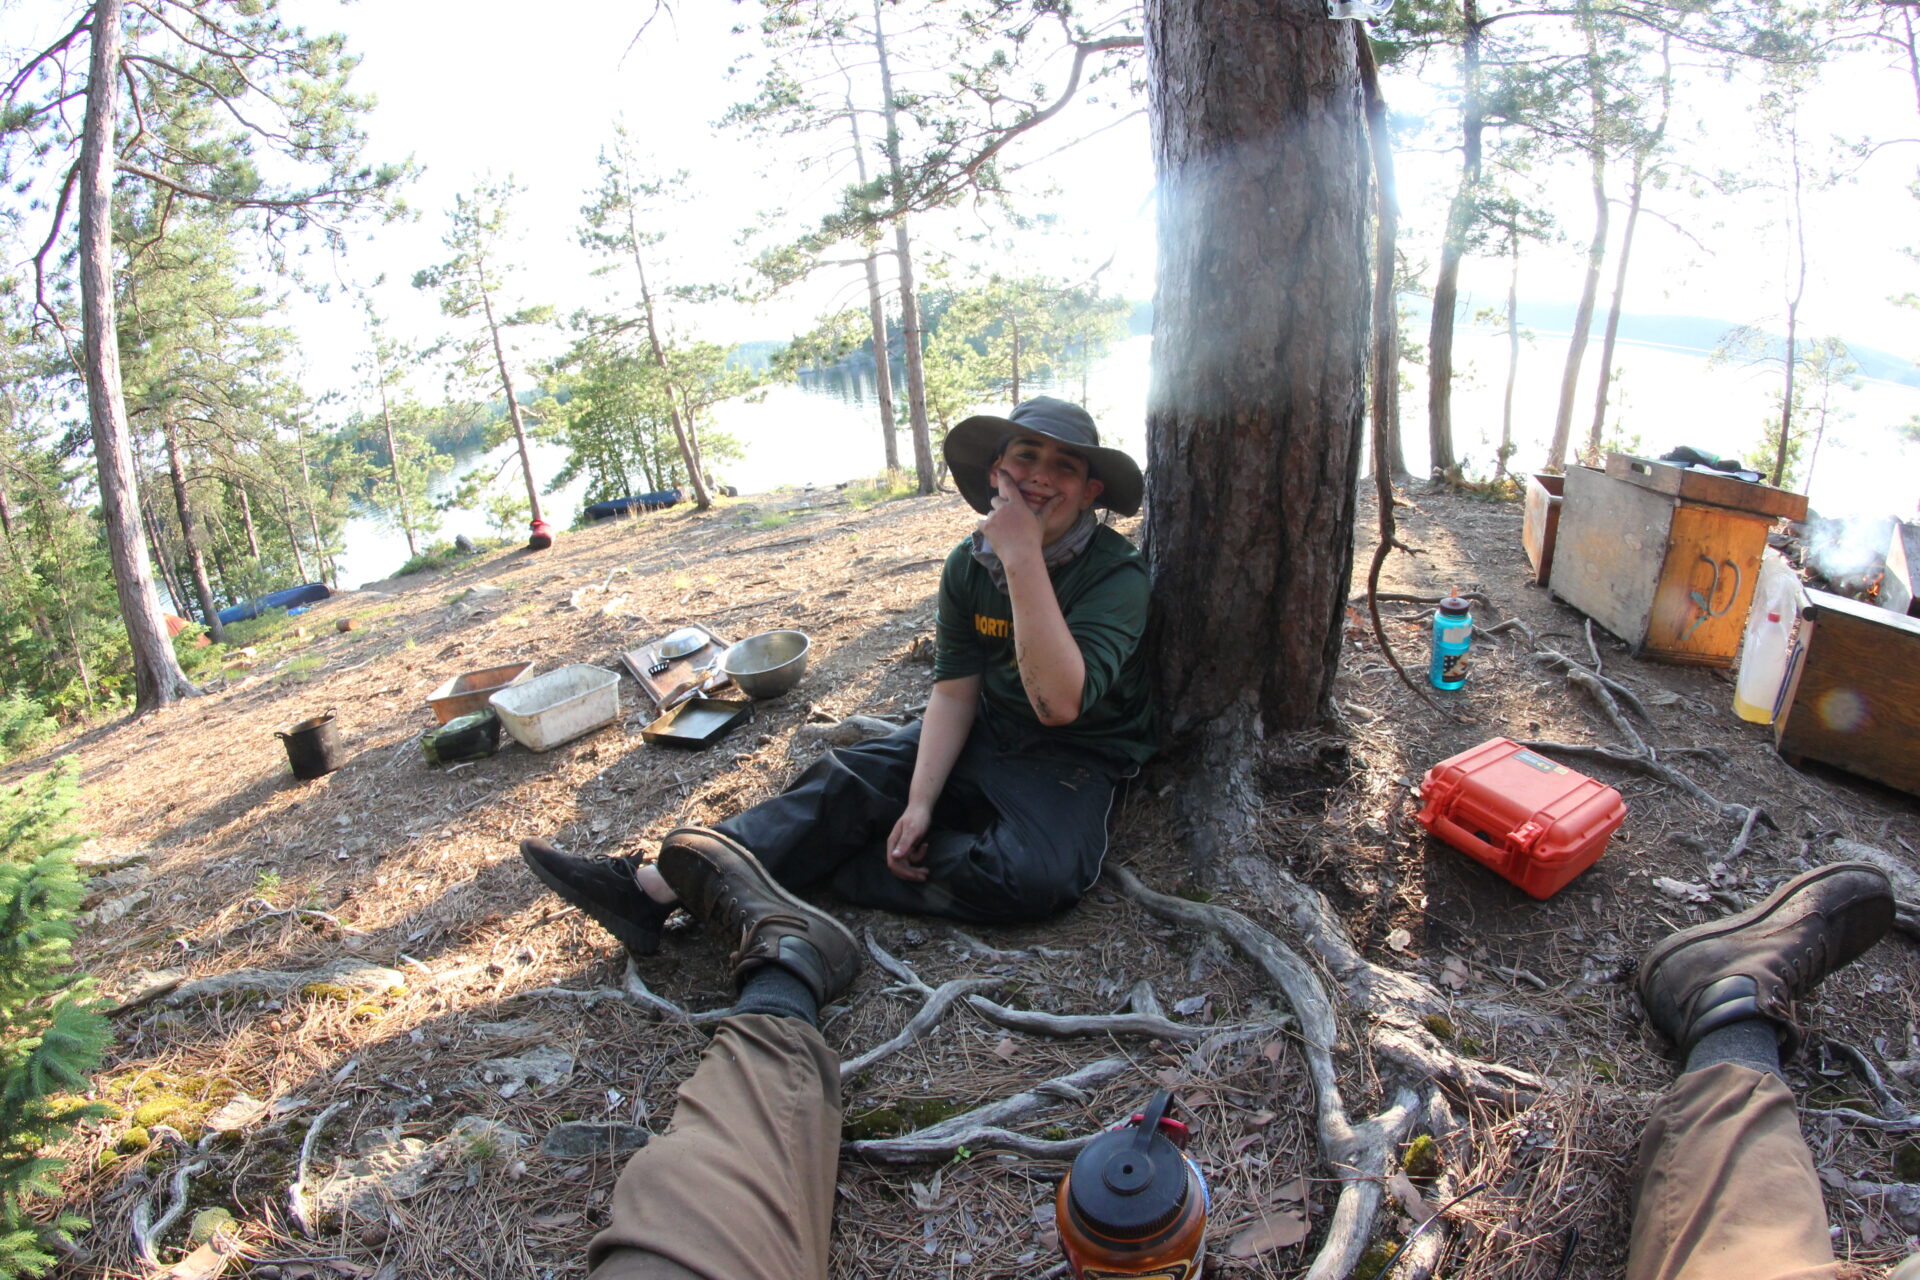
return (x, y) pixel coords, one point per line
(903, 249)
(1259, 375)
(1460, 219)
(157, 678)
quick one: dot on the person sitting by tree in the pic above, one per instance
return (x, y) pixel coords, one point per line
(993, 808)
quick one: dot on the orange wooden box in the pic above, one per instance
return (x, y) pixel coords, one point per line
(1535, 822)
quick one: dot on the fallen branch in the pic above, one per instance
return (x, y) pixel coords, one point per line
(1746, 833)
(984, 1127)
(1401, 597)
(297, 1193)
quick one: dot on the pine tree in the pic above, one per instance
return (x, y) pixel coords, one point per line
(52, 1033)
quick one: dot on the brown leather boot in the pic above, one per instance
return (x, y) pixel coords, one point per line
(725, 887)
(1760, 962)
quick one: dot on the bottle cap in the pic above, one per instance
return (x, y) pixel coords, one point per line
(1773, 615)
(1455, 604)
(1129, 1183)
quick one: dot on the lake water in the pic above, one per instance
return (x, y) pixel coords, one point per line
(824, 432)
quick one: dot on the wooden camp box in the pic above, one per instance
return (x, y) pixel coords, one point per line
(1541, 527)
(1853, 692)
(1665, 557)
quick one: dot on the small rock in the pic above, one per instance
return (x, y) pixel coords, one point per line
(578, 1139)
(542, 1067)
(114, 909)
(240, 1113)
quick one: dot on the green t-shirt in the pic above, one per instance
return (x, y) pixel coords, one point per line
(1103, 596)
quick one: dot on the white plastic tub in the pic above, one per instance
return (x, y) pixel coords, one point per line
(559, 706)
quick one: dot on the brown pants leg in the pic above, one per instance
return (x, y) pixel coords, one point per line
(1725, 1188)
(741, 1186)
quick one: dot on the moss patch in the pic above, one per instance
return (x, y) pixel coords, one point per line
(1906, 1161)
(892, 1121)
(1441, 1026)
(180, 1100)
(1422, 1157)
(1373, 1260)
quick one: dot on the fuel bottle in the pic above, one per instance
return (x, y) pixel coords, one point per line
(1134, 1205)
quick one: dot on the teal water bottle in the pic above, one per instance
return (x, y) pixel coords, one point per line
(1452, 637)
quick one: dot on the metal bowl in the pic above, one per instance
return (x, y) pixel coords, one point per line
(681, 643)
(769, 664)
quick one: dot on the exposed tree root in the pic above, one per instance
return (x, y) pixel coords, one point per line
(1359, 1154)
(1560, 661)
(297, 1193)
(983, 1128)
(1218, 803)
(938, 1001)
(1065, 1026)
(148, 1230)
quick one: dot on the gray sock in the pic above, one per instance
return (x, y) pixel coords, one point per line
(1751, 1042)
(772, 989)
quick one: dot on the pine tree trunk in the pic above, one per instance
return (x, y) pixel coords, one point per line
(393, 463)
(246, 516)
(1259, 358)
(877, 315)
(1461, 216)
(1643, 156)
(157, 678)
(1384, 372)
(916, 366)
(903, 249)
(1513, 361)
(196, 556)
(1596, 258)
(682, 427)
(164, 558)
(293, 536)
(513, 411)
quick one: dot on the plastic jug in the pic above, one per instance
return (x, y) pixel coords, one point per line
(1768, 641)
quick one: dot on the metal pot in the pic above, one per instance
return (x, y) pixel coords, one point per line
(769, 664)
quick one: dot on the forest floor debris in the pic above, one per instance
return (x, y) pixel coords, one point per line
(260, 904)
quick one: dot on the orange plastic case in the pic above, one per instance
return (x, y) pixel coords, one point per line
(1535, 822)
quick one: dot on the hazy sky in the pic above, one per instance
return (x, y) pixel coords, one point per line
(487, 87)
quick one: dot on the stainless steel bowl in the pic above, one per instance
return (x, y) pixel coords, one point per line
(769, 664)
(682, 642)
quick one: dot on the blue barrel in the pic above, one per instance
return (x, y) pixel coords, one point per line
(1452, 637)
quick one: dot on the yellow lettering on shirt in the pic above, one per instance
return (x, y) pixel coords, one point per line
(999, 628)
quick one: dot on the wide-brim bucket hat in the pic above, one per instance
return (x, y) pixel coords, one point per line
(973, 444)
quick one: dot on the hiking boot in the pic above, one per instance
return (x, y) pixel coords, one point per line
(604, 889)
(725, 887)
(1760, 962)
